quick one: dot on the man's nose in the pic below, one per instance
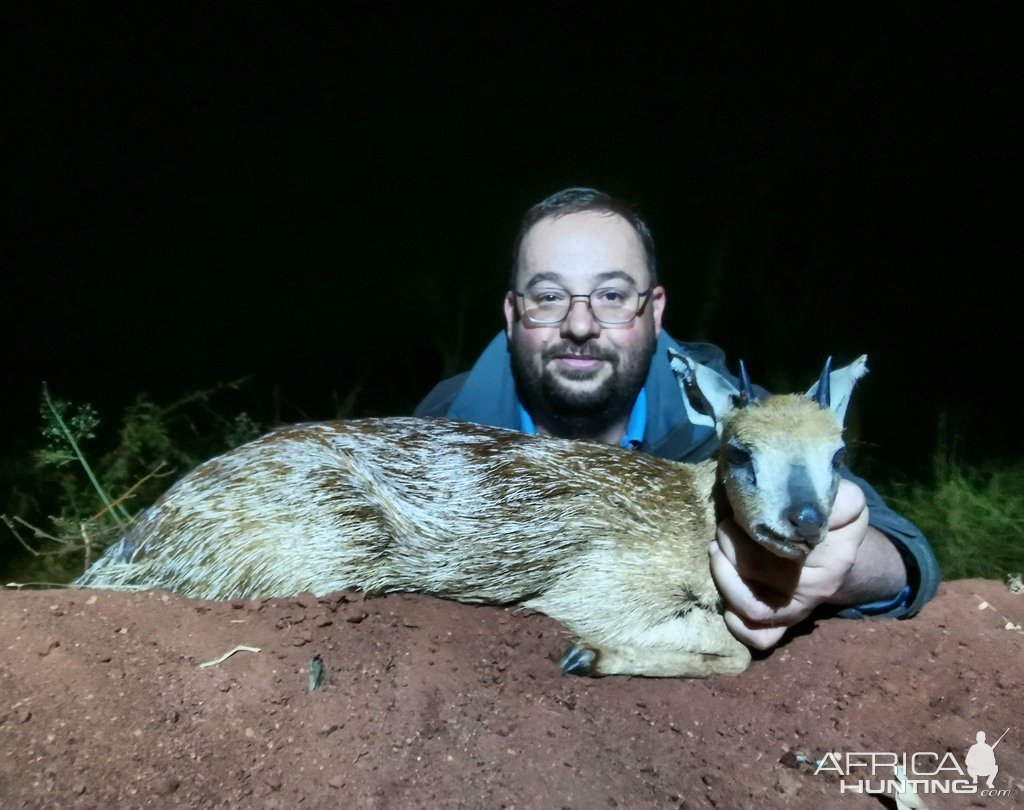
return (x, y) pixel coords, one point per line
(580, 324)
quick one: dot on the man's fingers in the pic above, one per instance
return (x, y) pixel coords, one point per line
(754, 563)
(849, 504)
(839, 551)
(757, 603)
(759, 637)
(735, 592)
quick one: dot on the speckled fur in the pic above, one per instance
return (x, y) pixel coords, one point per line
(611, 543)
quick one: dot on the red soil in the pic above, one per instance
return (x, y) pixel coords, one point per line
(435, 704)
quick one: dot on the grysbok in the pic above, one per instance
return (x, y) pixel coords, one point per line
(611, 543)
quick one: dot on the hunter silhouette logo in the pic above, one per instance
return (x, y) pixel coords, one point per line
(981, 759)
(886, 772)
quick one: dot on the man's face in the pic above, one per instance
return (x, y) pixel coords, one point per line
(580, 370)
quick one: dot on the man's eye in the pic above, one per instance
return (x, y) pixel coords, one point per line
(549, 297)
(611, 296)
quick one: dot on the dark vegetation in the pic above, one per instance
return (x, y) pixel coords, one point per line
(83, 486)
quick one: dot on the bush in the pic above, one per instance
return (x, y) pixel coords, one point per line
(92, 505)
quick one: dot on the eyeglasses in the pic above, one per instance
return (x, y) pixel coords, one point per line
(610, 306)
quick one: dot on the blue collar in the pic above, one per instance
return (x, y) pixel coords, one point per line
(634, 429)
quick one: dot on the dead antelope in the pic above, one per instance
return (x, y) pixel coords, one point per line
(610, 542)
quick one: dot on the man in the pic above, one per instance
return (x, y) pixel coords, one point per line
(583, 356)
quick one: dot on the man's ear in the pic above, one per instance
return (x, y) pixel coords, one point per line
(509, 306)
(657, 308)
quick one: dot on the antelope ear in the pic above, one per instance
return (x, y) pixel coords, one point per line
(841, 384)
(707, 395)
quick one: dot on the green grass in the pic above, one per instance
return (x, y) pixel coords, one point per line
(974, 517)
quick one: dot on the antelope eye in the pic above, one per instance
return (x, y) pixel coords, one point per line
(839, 457)
(737, 454)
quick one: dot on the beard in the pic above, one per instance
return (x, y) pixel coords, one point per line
(580, 412)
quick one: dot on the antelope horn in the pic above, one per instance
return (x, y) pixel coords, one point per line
(746, 390)
(823, 396)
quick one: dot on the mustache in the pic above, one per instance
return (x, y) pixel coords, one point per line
(568, 349)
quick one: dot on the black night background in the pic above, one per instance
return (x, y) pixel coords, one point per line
(324, 198)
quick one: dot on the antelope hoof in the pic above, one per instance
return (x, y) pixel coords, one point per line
(578, 660)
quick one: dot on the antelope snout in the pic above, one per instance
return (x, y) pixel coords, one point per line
(808, 521)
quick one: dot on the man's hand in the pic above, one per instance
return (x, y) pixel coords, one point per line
(765, 594)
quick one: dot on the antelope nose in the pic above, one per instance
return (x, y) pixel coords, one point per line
(807, 519)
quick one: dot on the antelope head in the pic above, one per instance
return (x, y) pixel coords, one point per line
(780, 456)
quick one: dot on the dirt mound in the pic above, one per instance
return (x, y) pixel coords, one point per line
(427, 703)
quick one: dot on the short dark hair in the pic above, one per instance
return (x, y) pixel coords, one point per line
(573, 201)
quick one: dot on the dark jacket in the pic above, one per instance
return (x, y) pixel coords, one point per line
(486, 395)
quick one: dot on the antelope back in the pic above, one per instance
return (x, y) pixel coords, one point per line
(454, 509)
